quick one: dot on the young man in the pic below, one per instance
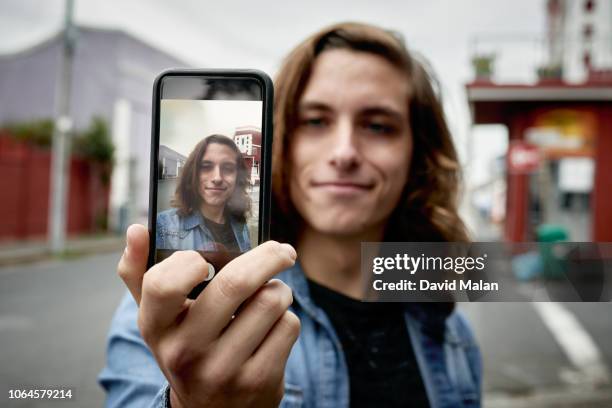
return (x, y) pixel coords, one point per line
(211, 203)
(361, 153)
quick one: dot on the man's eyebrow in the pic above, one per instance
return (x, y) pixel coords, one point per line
(214, 162)
(367, 111)
(379, 110)
(314, 105)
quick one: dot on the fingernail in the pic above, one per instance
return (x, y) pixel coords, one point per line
(290, 251)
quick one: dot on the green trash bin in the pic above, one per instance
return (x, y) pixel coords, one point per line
(548, 235)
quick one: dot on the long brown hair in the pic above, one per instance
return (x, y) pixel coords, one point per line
(427, 210)
(187, 197)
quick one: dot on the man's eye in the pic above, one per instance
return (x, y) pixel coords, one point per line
(314, 122)
(228, 168)
(380, 128)
(206, 167)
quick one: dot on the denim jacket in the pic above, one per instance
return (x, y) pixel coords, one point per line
(190, 232)
(316, 374)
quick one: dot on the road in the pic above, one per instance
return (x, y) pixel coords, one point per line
(54, 316)
(53, 321)
(526, 363)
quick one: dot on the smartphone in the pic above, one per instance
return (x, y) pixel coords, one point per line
(209, 184)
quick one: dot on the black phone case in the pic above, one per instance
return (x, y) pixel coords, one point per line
(266, 132)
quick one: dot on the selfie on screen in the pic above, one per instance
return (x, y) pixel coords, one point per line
(208, 177)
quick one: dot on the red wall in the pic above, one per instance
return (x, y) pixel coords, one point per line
(517, 201)
(602, 194)
(24, 186)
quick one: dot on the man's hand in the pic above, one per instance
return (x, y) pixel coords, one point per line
(228, 347)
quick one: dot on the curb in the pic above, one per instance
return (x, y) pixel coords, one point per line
(15, 254)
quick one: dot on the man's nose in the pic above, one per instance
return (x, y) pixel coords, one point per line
(345, 155)
(217, 176)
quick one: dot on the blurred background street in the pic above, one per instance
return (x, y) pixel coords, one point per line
(527, 90)
(53, 324)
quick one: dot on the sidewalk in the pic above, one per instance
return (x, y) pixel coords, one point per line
(575, 397)
(13, 253)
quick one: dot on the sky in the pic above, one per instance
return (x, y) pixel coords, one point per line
(258, 34)
(183, 123)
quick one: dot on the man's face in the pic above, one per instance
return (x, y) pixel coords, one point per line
(217, 172)
(351, 151)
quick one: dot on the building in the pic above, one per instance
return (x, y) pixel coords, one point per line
(248, 140)
(112, 77)
(560, 128)
(170, 162)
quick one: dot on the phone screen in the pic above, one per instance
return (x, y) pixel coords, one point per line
(210, 166)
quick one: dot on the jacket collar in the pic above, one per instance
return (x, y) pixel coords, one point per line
(192, 220)
(295, 278)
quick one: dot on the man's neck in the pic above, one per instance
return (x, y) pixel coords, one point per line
(213, 213)
(335, 261)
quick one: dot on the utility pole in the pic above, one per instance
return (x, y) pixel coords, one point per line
(60, 159)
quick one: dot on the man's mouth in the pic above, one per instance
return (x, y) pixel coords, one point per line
(215, 188)
(343, 187)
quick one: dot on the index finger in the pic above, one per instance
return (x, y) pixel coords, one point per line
(236, 282)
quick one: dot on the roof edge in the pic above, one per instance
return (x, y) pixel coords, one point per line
(56, 35)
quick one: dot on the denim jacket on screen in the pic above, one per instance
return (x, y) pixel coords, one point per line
(190, 232)
(316, 374)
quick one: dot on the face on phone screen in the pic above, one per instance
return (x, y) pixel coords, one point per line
(209, 166)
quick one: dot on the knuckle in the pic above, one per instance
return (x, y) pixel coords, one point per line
(183, 257)
(122, 269)
(216, 376)
(269, 300)
(231, 285)
(177, 358)
(155, 285)
(256, 383)
(197, 261)
(287, 292)
(282, 291)
(194, 257)
(291, 323)
(276, 250)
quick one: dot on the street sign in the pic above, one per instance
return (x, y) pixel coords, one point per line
(523, 157)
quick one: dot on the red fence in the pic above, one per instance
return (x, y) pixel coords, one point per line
(24, 190)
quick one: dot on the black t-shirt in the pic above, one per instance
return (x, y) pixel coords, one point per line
(223, 234)
(382, 366)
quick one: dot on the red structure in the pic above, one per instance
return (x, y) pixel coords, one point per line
(24, 182)
(520, 107)
(580, 113)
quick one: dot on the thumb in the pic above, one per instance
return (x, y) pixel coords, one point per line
(133, 262)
